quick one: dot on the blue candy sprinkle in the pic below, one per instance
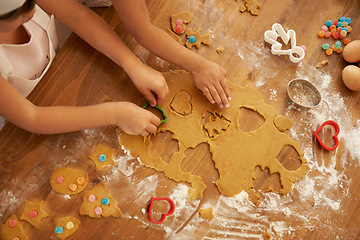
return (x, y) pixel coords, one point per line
(344, 28)
(192, 39)
(59, 230)
(342, 19)
(105, 201)
(328, 23)
(348, 20)
(339, 24)
(102, 158)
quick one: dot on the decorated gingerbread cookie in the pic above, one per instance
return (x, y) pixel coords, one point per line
(179, 20)
(68, 180)
(33, 213)
(195, 38)
(99, 202)
(12, 229)
(103, 156)
(66, 226)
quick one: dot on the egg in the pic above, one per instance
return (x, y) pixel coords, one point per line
(351, 77)
(352, 52)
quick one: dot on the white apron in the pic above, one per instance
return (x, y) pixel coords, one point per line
(22, 85)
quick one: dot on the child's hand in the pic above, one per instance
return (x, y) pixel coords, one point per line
(210, 78)
(135, 120)
(151, 84)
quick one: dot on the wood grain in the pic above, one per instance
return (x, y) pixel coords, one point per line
(82, 76)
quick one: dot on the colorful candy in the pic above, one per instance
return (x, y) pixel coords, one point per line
(338, 44)
(329, 51)
(346, 41)
(328, 23)
(325, 46)
(321, 33)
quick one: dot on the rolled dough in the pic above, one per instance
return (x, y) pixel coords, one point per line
(236, 153)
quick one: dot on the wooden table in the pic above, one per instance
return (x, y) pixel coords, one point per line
(323, 205)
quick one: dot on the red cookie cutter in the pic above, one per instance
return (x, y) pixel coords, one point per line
(335, 138)
(164, 215)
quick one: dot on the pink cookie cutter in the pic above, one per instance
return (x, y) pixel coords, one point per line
(164, 215)
(271, 37)
(335, 138)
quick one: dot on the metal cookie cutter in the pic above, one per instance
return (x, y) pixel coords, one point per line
(296, 53)
(303, 94)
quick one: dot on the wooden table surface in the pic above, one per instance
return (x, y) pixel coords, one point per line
(323, 205)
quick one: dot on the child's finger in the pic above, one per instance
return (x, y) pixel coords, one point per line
(216, 96)
(150, 97)
(222, 95)
(207, 94)
(162, 94)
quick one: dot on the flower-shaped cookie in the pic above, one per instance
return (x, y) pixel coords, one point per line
(33, 213)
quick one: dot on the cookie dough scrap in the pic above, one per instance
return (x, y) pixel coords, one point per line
(282, 123)
(179, 21)
(206, 213)
(103, 156)
(251, 6)
(174, 36)
(99, 202)
(195, 39)
(68, 180)
(66, 226)
(33, 213)
(12, 229)
(236, 153)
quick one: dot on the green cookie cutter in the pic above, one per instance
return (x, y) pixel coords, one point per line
(159, 108)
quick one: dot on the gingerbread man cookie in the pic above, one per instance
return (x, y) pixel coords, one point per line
(33, 213)
(195, 38)
(66, 226)
(69, 181)
(103, 156)
(12, 229)
(251, 6)
(99, 202)
(179, 20)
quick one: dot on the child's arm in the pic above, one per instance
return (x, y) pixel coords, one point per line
(59, 119)
(95, 31)
(209, 77)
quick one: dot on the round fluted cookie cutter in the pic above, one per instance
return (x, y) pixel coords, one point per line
(303, 94)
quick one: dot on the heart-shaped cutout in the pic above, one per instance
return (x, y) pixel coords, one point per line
(181, 103)
(334, 137)
(164, 215)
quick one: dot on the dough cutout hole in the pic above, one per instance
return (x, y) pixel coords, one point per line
(214, 124)
(266, 182)
(292, 162)
(181, 103)
(194, 162)
(161, 142)
(249, 120)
